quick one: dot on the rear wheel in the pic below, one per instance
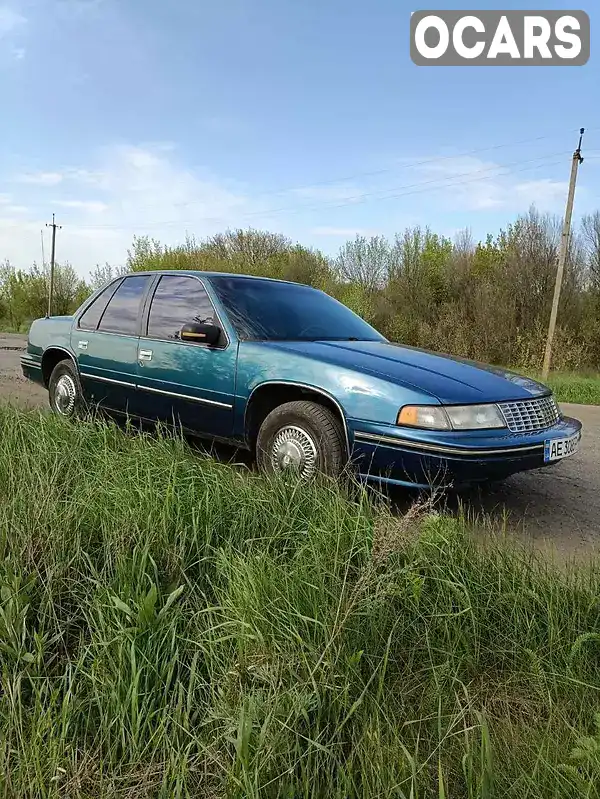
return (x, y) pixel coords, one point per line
(302, 437)
(64, 390)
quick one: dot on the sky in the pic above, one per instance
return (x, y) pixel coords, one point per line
(304, 117)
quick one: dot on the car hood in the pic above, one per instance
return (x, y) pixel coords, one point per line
(449, 379)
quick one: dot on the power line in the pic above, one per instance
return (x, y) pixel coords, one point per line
(419, 190)
(387, 170)
(384, 193)
(390, 193)
(352, 200)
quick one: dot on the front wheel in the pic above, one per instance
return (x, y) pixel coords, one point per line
(303, 437)
(64, 390)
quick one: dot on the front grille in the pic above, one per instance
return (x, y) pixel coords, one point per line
(528, 416)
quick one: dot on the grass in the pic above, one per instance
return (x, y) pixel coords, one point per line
(6, 327)
(581, 388)
(172, 627)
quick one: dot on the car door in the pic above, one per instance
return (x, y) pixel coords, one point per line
(189, 384)
(106, 342)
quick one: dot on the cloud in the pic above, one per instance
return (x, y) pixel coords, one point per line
(41, 178)
(128, 190)
(543, 192)
(145, 187)
(469, 182)
(10, 20)
(473, 184)
(86, 176)
(8, 207)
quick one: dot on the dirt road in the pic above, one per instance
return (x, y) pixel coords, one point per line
(557, 507)
(13, 386)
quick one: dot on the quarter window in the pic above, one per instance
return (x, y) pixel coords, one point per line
(178, 300)
(121, 314)
(91, 316)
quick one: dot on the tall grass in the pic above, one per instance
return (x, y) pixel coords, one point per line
(172, 627)
(583, 389)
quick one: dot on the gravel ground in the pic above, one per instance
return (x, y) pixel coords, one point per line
(558, 507)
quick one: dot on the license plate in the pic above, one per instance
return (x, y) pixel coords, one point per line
(558, 448)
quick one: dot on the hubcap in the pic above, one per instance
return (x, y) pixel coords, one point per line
(293, 448)
(65, 394)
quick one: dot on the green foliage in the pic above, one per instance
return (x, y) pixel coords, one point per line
(101, 275)
(171, 626)
(582, 389)
(250, 252)
(489, 301)
(487, 258)
(24, 294)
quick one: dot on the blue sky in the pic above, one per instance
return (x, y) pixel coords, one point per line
(305, 117)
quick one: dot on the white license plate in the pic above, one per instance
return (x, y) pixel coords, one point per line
(558, 448)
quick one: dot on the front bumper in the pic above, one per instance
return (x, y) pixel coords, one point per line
(422, 459)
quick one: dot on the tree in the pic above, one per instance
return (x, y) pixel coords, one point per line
(248, 248)
(364, 262)
(590, 228)
(489, 300)
(101, 275)
(69, 289)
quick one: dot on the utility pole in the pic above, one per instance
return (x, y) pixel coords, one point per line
(562, 255)
(54, 226)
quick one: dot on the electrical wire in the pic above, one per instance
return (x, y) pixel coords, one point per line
(382, 195)
(387, 170)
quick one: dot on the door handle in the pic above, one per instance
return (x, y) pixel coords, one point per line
(144, 355)
(82, 345)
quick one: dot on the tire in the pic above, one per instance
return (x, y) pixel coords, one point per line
(64, 391)
(302, 436)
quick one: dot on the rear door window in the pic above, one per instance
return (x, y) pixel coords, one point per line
(91, 316)
(122, 312)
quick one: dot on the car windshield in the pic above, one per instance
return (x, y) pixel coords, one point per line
(264, 310)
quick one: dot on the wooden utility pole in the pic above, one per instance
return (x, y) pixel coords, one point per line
(562, 255)
(54, 226)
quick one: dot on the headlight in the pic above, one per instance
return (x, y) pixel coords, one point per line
(451, 417)
(475, 417)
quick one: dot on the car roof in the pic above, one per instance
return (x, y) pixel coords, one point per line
(202, 272)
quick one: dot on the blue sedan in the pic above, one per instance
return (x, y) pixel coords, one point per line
(295, 377)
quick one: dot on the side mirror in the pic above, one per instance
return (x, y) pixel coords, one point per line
(200, 334)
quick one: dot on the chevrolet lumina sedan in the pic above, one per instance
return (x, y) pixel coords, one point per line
(295, 377)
